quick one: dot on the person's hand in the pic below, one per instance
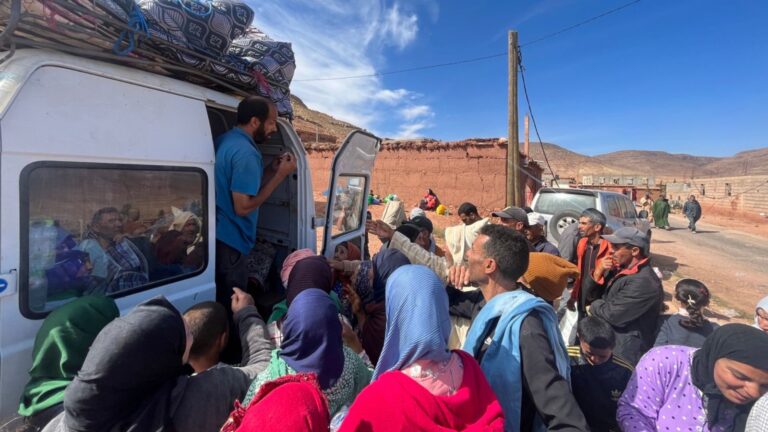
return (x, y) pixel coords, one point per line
(349, 337)
(380, 229)
(458, 276)
(607, 264)
(335, 264)
(241, 299)
(286, 165)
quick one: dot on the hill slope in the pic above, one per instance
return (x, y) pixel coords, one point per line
(319, 129)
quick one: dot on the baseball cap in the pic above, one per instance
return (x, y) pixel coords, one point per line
(515, 213)
(422, 222)
(536, 219)
(628, 235)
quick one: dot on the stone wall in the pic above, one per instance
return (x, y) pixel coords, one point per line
(473, 170)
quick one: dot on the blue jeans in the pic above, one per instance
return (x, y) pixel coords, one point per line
(691, 223)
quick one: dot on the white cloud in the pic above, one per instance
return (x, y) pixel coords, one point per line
(416, 111)
(391, 96)
(398, 28)
(341, 38)
(411, 130)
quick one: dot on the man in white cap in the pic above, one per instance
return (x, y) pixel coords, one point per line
(536, 237)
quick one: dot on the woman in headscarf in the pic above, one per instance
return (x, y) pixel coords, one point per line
(179, 245)
(761, 315)
(709, 389)
(309, 272)
(435, 389)
(367, 298)
(290, 403)
(60, 348)
(133, 377)
(312, 344)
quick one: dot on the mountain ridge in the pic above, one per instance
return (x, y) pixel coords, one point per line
(319, 129)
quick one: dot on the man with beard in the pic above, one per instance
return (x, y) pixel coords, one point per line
(515, 337)
(243, 184)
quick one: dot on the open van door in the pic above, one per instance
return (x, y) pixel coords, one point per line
(348, 190)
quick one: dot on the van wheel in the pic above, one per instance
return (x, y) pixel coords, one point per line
(561, 221)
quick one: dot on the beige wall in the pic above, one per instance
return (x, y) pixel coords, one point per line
(748, 194)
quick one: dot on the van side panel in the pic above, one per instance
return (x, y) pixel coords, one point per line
(66, 115)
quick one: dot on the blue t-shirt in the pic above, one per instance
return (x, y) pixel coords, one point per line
(239, 168)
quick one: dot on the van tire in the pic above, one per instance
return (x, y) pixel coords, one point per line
(561, 220)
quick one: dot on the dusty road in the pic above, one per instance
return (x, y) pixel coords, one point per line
(733, 264)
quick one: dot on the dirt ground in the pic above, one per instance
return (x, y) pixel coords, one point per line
(728, 254)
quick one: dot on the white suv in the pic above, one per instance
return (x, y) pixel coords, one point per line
(563, 206)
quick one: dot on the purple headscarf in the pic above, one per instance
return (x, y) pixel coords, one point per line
(384, 264)
(312, 337)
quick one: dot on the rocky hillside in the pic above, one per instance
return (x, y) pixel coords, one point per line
(318, 129)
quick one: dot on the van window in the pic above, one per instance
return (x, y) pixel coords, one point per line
(108, 229)
(554, 202)
(348, 204)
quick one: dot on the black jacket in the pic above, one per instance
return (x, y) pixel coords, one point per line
(598, 388)
(631, 304)
(545, 392)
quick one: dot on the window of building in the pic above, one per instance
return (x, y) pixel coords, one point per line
(108, 229)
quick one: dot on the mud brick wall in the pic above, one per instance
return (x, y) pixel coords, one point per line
(472, 170)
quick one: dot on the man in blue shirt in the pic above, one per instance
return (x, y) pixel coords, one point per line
(242, 186)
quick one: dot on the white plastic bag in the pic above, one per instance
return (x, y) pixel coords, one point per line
(568, 326)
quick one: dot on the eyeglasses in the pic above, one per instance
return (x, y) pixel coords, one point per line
(762, 314)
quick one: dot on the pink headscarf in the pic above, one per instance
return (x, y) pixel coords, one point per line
(291, 261)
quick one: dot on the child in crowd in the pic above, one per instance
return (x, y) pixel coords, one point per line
(598, 377)
(688, 327)
(207, 322)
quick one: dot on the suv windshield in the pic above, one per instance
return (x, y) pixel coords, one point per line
(553, 202)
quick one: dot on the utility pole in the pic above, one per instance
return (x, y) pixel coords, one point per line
(513, 143)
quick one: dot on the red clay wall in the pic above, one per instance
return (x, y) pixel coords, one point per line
(463, 171)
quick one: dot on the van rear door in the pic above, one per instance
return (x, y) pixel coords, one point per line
(348, 189)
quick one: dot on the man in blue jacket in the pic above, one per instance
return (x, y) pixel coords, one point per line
(692, 210)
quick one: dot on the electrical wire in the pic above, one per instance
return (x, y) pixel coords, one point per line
(586, 21)
(533, 118)
(474, 59)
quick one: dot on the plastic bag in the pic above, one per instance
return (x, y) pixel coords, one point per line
(568, 326)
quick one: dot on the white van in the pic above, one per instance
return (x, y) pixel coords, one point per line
(79, 135)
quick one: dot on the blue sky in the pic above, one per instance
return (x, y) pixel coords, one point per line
(682, 76)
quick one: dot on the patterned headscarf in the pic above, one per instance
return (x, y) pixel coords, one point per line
(418, 324)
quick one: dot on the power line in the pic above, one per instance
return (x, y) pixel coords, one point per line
(586, 21)
(417, 68)
(473, 59)
(533, 118)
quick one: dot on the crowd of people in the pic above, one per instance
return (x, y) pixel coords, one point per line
(416, 338)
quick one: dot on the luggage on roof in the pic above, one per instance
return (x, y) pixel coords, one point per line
(207, 42)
